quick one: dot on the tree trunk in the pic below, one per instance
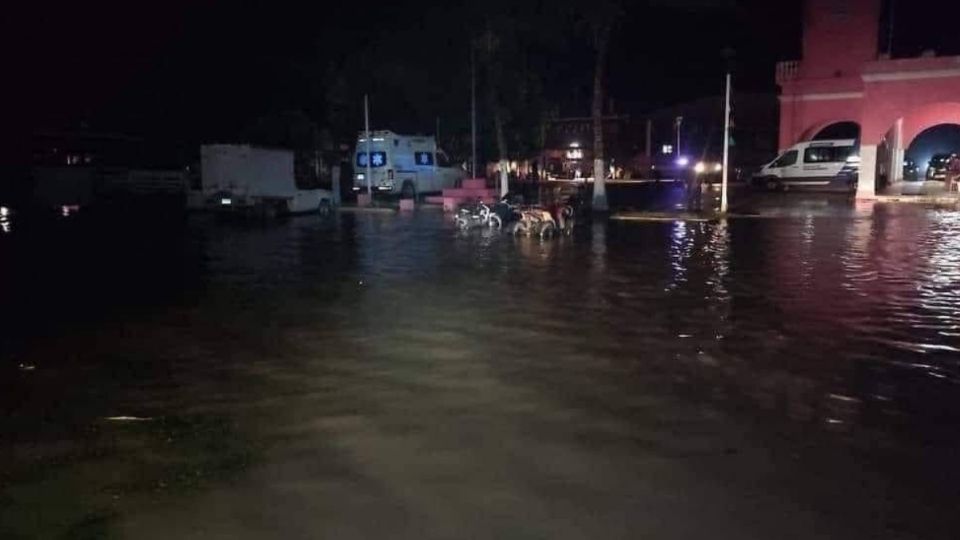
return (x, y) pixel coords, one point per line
(599, 174)
(493, 69)
(502, 150)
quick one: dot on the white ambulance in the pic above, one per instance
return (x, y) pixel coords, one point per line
(405, 165)
(827, 165)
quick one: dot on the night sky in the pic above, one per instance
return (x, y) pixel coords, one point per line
(200, 71)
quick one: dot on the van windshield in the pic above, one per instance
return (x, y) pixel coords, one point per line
(378, 159)
(786, 159)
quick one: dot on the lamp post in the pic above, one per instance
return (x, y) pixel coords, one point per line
(726, 148)
(473, 110)
(366, 123)
(678, 122)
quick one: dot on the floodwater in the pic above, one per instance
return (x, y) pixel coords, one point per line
(372, 375)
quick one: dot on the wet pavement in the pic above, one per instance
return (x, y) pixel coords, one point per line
(386, 375)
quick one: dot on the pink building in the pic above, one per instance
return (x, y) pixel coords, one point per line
(844, 78)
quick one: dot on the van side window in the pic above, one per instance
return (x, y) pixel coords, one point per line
(442, 159)
(787, 159)
(424, 159)
(827, 154)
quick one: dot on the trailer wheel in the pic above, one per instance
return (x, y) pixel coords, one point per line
(324, 208)
(268, 210)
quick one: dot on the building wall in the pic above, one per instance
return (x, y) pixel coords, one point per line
(922, 91)
(839, 36)
(841, 79)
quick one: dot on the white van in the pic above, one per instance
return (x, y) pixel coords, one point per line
(828, 165)
(403, 165)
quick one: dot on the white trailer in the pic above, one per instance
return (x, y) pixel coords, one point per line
(250, 179)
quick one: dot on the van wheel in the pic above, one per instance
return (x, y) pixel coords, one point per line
(772, 185)
(268, 210)
(408, 191)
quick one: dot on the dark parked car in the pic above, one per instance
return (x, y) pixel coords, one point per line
(911, 173)
(937, 168)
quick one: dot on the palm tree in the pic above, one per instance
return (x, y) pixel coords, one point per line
(602, 21)
(489, 46)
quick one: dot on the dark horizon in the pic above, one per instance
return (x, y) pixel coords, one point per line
(188, 73)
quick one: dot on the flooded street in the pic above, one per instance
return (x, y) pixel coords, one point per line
(381, 375)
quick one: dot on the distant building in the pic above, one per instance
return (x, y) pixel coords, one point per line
(82, 168)
(644, 146)
(693, 131)
(568, 145)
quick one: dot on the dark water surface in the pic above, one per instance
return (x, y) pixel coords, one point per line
(387, 376)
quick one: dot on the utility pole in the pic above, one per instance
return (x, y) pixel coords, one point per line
(473, 109)
(679, 122)
(726, 148)
(649, 149)
(366, 123)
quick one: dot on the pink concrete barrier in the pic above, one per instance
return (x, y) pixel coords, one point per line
(474, 183)
(469, 193)
(450, 204)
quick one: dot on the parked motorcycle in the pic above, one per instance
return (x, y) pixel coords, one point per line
(534, 221)
(477, 214)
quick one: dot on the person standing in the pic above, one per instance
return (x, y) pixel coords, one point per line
(694, 191)
(953, 172)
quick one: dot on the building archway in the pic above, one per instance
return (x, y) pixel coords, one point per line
(938, 139)
(916, 136)
(838, 130)
(928, 116)
(833, 129)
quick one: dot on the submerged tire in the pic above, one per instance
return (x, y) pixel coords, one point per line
(547, 230)
(519, 228)
(494, 221)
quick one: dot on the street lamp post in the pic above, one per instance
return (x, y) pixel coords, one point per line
(366, 122)
(473, 110)
(678, 122)
(726, 148)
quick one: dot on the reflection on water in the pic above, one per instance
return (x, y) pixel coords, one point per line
(381, 339)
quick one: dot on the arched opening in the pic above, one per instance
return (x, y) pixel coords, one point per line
(837, 130)
(927, 151)
(922, 138)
